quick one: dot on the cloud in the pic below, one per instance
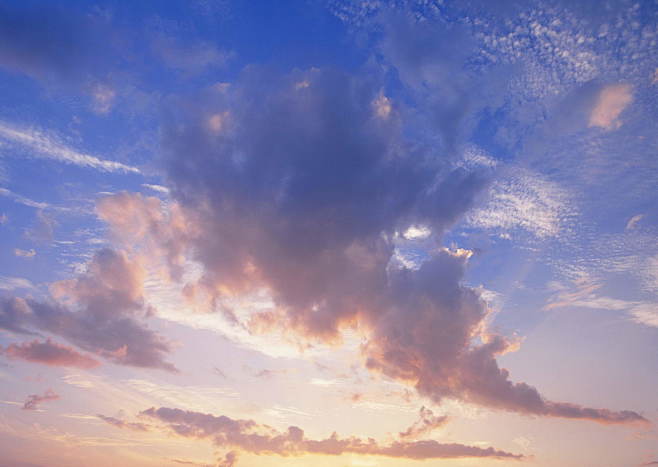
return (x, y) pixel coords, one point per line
(49, 353)
(22, 200)
(190, 58)
(250, 436)
(158, 188)
(583, 296)
(33, 50)
(43, 229)
(25, 253)
(161, 230)
(426, 423)
(303, 196)
(42, 145)
(611, 102)
(103, 97)
(11, 283)
(123, 424)
(633, 221)
(97, 312)
(229, 460)
(34, 400)
(523, 201)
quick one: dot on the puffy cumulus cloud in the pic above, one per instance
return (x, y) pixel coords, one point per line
(303, 193)
(611, 102)
(426, 338)
(162, 230)
(250, 436)
(97, 311)
(34, 400)
(49, 353)
(426, 423)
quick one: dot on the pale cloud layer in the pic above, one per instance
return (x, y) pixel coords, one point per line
(611, 102)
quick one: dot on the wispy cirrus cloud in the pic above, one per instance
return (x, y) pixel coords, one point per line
(12, 283)
(584, 292)
(34, 143)
(22, 200)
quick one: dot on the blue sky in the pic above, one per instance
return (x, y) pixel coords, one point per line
(428, 223)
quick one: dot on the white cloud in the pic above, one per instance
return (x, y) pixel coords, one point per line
(417, 232)
(523, 201)
(22, 200)
(158, 188)
(45, 146)
(584, 295)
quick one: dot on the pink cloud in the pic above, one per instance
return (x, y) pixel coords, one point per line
(135, 426)
(315, 225)
(100, 311)
(34, 400)
(610, 104)
(49, 353)
(426, 423)
(250, 436)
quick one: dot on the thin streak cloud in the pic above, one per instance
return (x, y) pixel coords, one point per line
(41, 145)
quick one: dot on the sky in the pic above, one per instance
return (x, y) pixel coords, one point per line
(348, 234)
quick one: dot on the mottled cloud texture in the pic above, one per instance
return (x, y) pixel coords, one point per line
(99, 311)
(250, 436)
(302, 192)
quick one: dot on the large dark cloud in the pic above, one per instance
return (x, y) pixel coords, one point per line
(98, 312)
(51, 43)
(302, 188)
(301, 184)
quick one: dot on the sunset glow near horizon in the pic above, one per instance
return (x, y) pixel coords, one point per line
(332, 233)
